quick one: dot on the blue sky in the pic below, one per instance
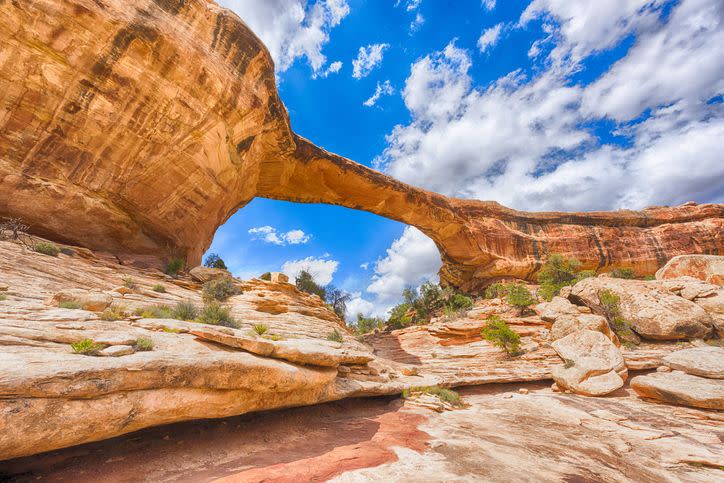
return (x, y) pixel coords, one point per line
(541, 105)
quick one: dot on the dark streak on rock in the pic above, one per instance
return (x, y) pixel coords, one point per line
(170, 6)
(243, 146)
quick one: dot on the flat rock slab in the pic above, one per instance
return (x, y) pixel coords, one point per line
(698, 361)
(117, 351)
(681, 388)
(298, 351)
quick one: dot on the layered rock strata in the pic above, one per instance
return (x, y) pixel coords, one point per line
(138, 127)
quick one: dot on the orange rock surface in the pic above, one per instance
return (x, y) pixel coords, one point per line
(139, 126)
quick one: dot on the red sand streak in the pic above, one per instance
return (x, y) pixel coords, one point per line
(397, 428)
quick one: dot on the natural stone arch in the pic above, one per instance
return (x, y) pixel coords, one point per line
(143, 131)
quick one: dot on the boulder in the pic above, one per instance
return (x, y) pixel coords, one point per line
(652, 311)
(279, 277)
(593, 364)
(558, 306)
(205, 274)
(567, 324)
(680, 388)
(89, 300)
(709, 268)
(698, 361)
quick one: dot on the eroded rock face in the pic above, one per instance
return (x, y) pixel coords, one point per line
(698, 361)
(680, 388)
(138, 127)
(709, 268)
(653, 311)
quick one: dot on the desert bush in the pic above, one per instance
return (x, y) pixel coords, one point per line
(446, 395)
(556, 273)
(219, 289)
(335, 336)
(216, 314)
(70, 304)
(260, 329)
(13, 229)
(174, 266)
(143, 344)
(584, 274)
(130, 283)
(266, 276)
(520, 297)
(114, 312)
(609, 304)
(154, 312)
(306, 283)
(47, 248)
(364, 324)
(159, 288)
(185, 310)
(626, 273)
(87, 347)
(3, 297)
(400, 316)
(214, 261)
(497, 332)
(458, 301)
(497, 290)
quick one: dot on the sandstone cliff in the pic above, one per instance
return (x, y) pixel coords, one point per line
(138, 127)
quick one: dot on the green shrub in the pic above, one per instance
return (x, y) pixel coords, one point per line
(275, 337)
(266, 276)
(185, 310)
(648, 277)
(584, 274)
(214, 261)
(627, 273)
(143, 344)
(520, 297)
(459, 301)
(568, 363)
(497, 290)
(446, 395)
(170, 330)
(47, 248)
(87, 347)
(609, 304)
(497, 332)
(219, 289)
(174, 266)
(3, 297)
(260, 329)
(216, 314)
(159, 288)
(130, 283)
(556, 273)
(114, 312)
(335, 336)
(154, 312)
(306, 283)
(70, 304)
(399, 316)
(368, 324)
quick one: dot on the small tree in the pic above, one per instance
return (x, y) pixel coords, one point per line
(338, 299)
(214, 261)
(368, 324)
(497, 332)
(219, 289)
(520, 297)
(609, 303)
(400, 316)
(306, 283)
(496, 291)
(556, 273)
(626, 273)
(174, 266)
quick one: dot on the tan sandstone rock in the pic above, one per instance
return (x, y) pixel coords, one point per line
(205, 274)
(698, 361)
(593, 364)
(680, 388)
(709, 268)
(652, 311)
(90, 300)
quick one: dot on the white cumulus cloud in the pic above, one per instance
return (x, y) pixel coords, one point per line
(367, 59)
(322, 269)
(269, 234)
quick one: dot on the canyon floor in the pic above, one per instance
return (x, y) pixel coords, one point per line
(502, 436)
